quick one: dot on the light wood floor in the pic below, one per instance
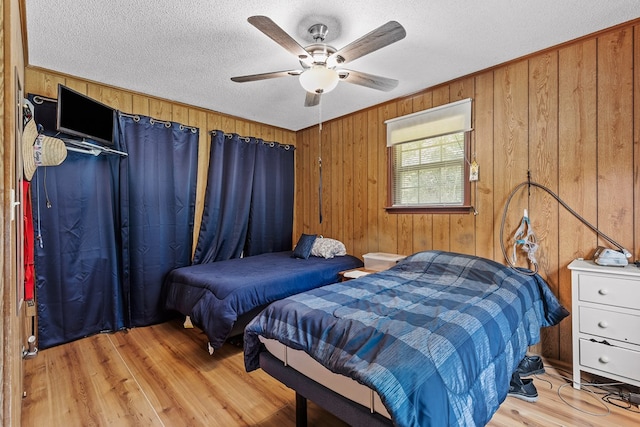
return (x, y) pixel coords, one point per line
(162, 376)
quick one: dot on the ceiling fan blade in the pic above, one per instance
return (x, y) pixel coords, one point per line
(264, 76)
(312, 99)
(382, 36)
(369, 80)
(278, 35)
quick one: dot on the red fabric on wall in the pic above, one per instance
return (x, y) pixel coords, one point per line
(29, 270)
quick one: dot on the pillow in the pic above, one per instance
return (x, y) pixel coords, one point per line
(304, 245)
(328, 248)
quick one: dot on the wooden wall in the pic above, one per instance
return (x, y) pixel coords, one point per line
(13, 333)
(570, 116)
(45, 83)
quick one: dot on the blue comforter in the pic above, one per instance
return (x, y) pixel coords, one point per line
(215, 294)
(437, 336)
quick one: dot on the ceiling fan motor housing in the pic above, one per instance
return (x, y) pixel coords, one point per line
(318, 32)
(319, 52)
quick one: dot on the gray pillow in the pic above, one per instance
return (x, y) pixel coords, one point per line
(328, 248)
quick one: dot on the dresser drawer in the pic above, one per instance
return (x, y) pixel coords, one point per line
(610, 324)
(615, 291)
(608, 358)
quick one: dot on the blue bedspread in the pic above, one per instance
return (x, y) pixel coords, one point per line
(437, 336)
(215, 294)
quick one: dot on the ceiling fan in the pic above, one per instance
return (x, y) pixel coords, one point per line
(321, 63)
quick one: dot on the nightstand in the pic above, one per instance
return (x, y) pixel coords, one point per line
(606, 321)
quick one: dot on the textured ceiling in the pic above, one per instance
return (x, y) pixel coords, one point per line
(188, 50)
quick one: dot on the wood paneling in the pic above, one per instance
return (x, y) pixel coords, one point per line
(567, 117)
(615, 134)
(360, 202)
(510, 153)
(577, 173)
(374, 181)
(482, 149)
(543, 151)
(387, 223)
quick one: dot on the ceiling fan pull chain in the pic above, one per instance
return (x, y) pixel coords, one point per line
(320, 162)
(320, 194)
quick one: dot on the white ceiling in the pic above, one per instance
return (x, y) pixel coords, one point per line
(187, 50)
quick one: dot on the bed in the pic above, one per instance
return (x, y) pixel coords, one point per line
(221, 297)
(434, 340)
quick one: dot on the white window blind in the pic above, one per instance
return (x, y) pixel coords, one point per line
(443, 120)
(428, 156)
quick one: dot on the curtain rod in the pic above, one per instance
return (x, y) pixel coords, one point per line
(248, 138)
(167, 124)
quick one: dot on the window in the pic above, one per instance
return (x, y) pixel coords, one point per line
(428, 153)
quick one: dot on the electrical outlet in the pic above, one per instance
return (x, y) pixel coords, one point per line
(473, 171)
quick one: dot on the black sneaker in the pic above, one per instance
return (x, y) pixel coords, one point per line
(530, 365)
(522, 388)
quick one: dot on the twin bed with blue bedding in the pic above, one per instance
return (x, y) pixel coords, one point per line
(221, 297)
(437, 336)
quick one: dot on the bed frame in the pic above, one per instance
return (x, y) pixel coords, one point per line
(344, 397)
(347, 410)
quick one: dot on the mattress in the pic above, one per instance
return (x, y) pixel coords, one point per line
(216, 294)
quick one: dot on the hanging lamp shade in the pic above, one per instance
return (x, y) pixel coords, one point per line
(319, 79)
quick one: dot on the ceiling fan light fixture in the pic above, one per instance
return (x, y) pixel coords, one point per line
(319, 79)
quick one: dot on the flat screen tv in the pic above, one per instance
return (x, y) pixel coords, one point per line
(79, 115)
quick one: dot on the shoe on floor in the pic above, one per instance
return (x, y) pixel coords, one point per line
(522, 388)
(530, 365)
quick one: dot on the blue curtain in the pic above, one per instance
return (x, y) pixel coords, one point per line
(78, 269)
(271, 214)
(159, 183)
(248, 203)
(77, 257)
(108, 228)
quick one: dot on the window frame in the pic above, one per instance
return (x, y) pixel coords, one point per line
(445, 119)
(441, 209)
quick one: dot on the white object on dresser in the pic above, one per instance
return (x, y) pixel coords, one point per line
(606, 321)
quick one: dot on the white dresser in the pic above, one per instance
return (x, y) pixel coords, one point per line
(606, 321)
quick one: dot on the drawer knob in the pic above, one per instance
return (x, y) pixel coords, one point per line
(603, 359)
(603, 324)
(603, 291)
